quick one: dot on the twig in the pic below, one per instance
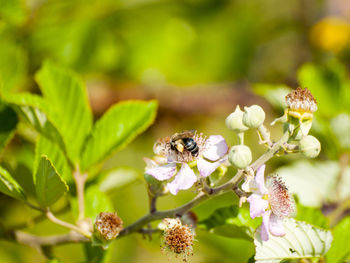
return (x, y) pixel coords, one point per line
(80, 180)
(57, 221)
(152, 203)
(201, 197)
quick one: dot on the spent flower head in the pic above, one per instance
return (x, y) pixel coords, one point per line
(271, 200)
(177, 238)
(108, 225)
(211, 154)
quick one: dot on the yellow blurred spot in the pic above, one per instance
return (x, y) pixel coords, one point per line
(331, 34)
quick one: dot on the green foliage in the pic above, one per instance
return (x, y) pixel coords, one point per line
(9, 186)
(118, 127)
(8, 120)
(301, 241)
(117, 178)
(340, 249)
(69, 110)
(54, 153)
(312, 216)
(231, 221)
(48, 183)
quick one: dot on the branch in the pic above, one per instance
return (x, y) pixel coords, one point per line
(201, 197)
(80, 180)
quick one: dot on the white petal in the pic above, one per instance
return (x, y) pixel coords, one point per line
(162, 172)
(215, 148)
(258, 205)
(276, 226)
(264, 234)
(184, 180)
(206, 168)
(260, 179)
(250, 186)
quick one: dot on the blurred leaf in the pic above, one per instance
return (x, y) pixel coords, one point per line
(117, 127)
(329, 85)
(340, 125)
(48, 183)
(117, 178)
(50, 149)
(13, 11)
(340, 248)
(32, 108)
(95, 202)
(69, 108)
(9, 186)
(312, 216)
(96, 254)
(8, 120)
(315, 182)
(232, 221)
(54, 260)
(12, 75)
(301, 241)
(274, 94)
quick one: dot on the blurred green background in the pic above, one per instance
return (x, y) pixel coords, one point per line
(199, 58)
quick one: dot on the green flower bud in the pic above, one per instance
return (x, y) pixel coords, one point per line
(310, 146)
(254, 116)
(234, 121)
(240, 156)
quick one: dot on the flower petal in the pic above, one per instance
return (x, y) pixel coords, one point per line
(260, 179)
(215, 148)
(276, 226)
(184, 179)
(206, 168)
(257, 205)
(264, 233)
(162, 172)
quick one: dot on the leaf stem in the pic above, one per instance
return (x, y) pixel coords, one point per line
(80, 180)
(57, 221)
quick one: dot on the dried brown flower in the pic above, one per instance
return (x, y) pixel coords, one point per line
(108, 225)
(301, 100)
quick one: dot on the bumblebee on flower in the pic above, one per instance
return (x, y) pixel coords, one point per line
(210, 153)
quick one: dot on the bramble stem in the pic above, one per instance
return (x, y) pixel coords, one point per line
(201, 197)
(57, 221)
(80, 180)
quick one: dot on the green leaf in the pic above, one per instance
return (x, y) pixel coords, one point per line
(118, 178)
(69, 108)
(117, 127)
(34, 110)
(231, 221)
(274, 94)
(340, 249)
(312, 216)
(96, 254)
(340, 125)
(54, 153)
(48, 183)
(95, 202)
(301, 241)
(9, 186)
(8, 120)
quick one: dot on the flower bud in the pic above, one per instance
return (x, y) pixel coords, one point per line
(240, 156)
(234, 121)
(310, 146)
(254, 116)
(108, 226)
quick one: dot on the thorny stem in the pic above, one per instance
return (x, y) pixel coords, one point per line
(80, 180)
(201, 197)
(57, 221)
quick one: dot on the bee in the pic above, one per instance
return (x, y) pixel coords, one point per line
(184, 141)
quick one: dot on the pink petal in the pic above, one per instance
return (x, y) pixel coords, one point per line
(264, 234)
(162, 172)
(257, 205)
(215, 148)
(206, 168)
(276, 226)
(260, 179)
(184, 180)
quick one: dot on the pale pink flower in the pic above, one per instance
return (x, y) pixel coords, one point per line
(272, 202)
